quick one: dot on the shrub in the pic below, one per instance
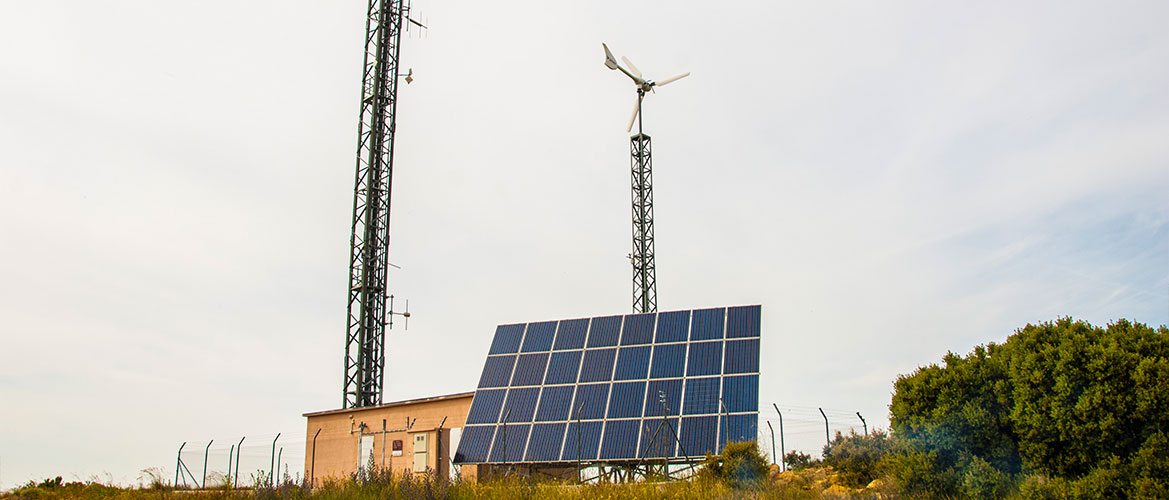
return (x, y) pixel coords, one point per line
(982, 480)
(858, 458)
(739, 464)
(795, 460)
(922, 474)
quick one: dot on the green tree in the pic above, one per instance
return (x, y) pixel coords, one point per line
(1064, 399)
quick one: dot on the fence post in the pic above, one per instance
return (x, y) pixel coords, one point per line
(272, 475)
(827, 436)
(313, 468)
(230, 455)
(179, 464)
(782, 448)
(205, 450)
(772, 429)
(239, 457)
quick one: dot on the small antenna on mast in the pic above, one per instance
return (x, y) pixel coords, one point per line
(404, 314)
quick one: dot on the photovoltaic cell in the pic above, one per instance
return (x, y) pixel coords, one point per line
(507, 339)
(496, 371)
(604, 331)
(705, 359)
(509, 440)
(539, 336)
(743, 321)
(742, 356)
(698, 435)
(529, 369)
(590, 401)
(668, 361)
(590, 440)
(632, 363)
(620, 440)
(571, 334)
(521, 403)
(616, 370)
(555, 403)
(701, 396)
(475, 443)
(597, 365)
(741, 393)
(672, 390)
(673, 326)
(707, 324)
(563, 367)
(638, 329)
(544, 444)
(626, 400)
(485, 407)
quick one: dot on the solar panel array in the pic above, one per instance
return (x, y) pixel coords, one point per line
(608, 380)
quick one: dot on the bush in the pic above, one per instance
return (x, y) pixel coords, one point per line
(740, 464)
(922, 474)
(795, 460)
(1039, 487)
(982, 480)
(858, 458)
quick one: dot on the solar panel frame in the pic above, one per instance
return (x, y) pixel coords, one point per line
(705, 361)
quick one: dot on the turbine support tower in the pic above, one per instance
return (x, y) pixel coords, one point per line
(369, 245)
(645, 284)
(645, 287)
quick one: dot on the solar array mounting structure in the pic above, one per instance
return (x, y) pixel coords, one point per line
(645, 285)
(369, 244)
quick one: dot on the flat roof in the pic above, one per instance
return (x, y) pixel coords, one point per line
(391, 404)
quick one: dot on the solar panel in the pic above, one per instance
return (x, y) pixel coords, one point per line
(610, 380)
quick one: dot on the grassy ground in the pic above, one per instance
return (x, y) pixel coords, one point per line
(810, 484)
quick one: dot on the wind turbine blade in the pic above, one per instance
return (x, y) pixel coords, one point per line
(632, 67)
(636, 109)
(610, 62)
(672, 79)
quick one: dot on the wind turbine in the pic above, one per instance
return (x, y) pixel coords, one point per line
(645, 286)
(643, 85)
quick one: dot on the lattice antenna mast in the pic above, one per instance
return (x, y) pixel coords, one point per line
(369, 244)
(645, 287)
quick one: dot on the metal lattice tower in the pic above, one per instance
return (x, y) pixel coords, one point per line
(645, 285)
(369, 246)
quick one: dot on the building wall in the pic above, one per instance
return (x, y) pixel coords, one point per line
(335, 454)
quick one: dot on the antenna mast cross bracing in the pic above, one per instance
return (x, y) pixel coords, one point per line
(369, 245)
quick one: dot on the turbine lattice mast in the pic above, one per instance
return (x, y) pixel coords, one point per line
(369, 244)
(645, 286)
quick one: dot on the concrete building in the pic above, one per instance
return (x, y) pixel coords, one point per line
(403, 436)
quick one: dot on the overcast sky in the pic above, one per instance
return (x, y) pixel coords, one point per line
(890, 180)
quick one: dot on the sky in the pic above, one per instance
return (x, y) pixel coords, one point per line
(890, 180)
